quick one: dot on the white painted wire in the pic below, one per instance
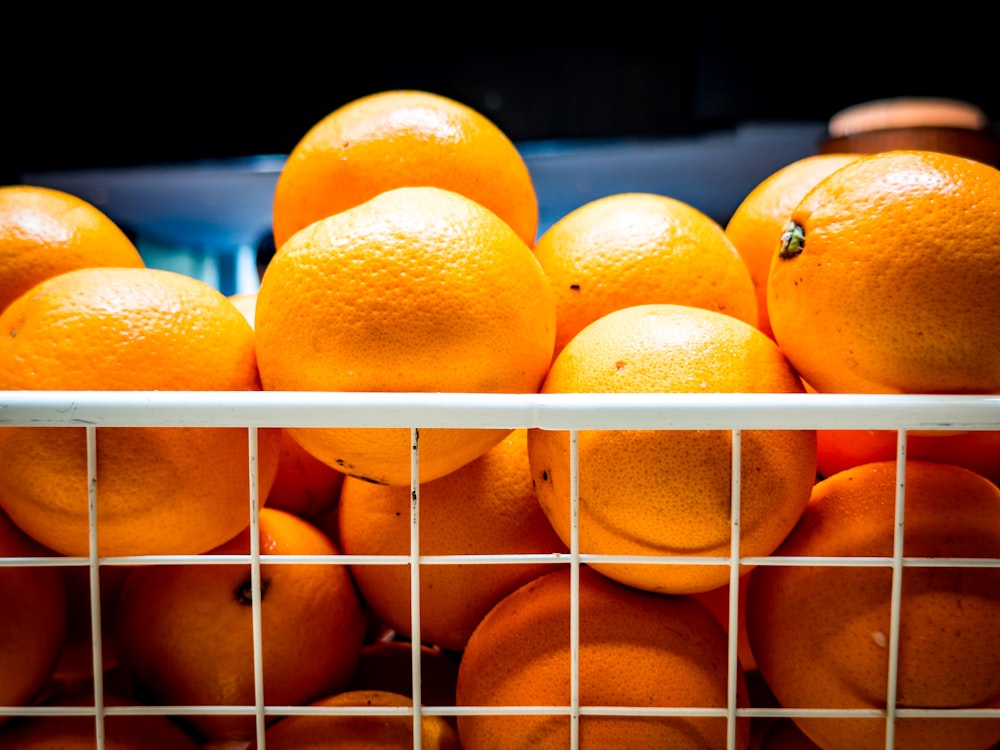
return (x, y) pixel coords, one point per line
(570, 412)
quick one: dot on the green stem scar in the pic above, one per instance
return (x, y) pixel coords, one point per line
(793, 240)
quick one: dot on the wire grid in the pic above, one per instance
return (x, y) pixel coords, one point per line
(568, 412)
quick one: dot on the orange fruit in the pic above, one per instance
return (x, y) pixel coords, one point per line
(636, 649)
(820, 634)
(45, 232)
(246, 303)
(121, 732)
(977, 450)
(360, 732)
(160, 490)
(75, 669)
(668, 492)
(885, 279)
(419, 289)
(488, 506)
(33, 619)
(756, 225)
(185, 632)
(401, 138)
(717, 601)
(640, 248)
(388, 665)
(303, 484)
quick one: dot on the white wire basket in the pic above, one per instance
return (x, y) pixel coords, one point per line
(567, 412)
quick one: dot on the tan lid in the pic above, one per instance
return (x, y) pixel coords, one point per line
(906, 112)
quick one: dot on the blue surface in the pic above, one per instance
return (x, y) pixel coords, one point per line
(206, 218)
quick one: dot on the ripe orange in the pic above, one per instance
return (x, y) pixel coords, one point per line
(395, 139)
(886, 276)
(33, 619)
(636, 649)
(756, 224)
(121, 732)
(419, 289)
(667, 492)
(75, 669)
(388, 665)
(44, 232)
(303, 484)
(357, 732)
(184, 632)
(488, 506)
(717, 601)
(160, 490)
(978, 450)
(640, 248)
(820, 634)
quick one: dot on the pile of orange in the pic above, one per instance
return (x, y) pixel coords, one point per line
(407, 261)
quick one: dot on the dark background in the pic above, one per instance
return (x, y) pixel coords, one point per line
(87, 90)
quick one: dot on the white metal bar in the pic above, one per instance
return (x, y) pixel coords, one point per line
(574, 590)
(414, 561)
(895, 597)
(255, 593)
(96, 653)
(579, 411)
(733, 666)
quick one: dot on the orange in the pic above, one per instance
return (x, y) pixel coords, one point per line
(401, 138)
(717, 601)
(640, 248)
(668, 492)
(820, 634)
(756, 225)
(977, 450)
(360, 732)
(388, 665)
(75, 669)
(419, 289)
(184, 632)
(246, 303)
(636, 649)
(121, 732)
(303, 485)
(885, 278)
(488, 506)
(160, 490)
(33, 619)
(45, 232)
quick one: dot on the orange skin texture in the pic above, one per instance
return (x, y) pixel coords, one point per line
(184, 632)
(418, 290)
(977, 450)
(667, 492)
(303, 485)
(820, 634)
(636, 649)
(161, 490)
(44, 232)
(33, 620)
(640, 248)
(358, 732)
(894, 290)
(488, 506)
(397, 139)
(755, 226)
(138, 732)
